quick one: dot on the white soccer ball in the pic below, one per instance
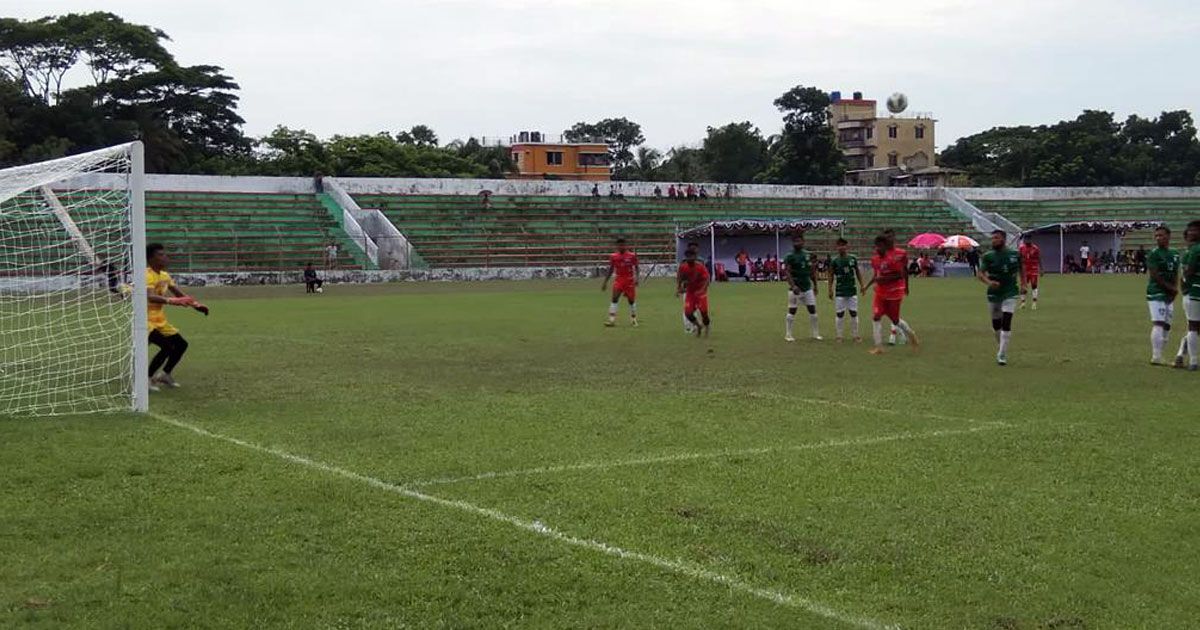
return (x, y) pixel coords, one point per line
(320, 289)
(897, 103)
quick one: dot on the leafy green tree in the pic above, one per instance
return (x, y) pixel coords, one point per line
(735, 153)
(419, 135)
(645, 164)
(807, 151)
(621, 135)
(683, 165)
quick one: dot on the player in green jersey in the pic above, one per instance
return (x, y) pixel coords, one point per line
(844, 280)
(1191, 302)
(802, 287)
(1163, 265)
(1000, 270)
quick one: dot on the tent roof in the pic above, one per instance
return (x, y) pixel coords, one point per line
(1119, 227)
(761, 226)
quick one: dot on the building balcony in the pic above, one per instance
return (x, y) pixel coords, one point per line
(855, 123)
(858, 144)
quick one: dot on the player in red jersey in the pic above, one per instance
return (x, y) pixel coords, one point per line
(693, 278)
(890, 264)
(1031, 268)
(625, 263)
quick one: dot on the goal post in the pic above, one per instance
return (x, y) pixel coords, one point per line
(72, 289)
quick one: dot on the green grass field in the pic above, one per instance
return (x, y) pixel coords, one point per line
(488, 455)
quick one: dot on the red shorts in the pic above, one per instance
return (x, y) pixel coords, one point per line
(693, 303)
(1031, 277)
(626, 287)
(889, 308)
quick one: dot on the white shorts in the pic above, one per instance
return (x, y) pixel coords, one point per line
(808, 298)
(999, 308)
(1161, 311)
(1191, 308)
(843, 304)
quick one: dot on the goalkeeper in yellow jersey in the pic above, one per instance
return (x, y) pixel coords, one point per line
(161, 291)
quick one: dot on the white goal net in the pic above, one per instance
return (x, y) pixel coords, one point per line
(72, 288)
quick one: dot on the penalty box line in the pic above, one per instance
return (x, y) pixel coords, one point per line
(680, 567)
(701, 455)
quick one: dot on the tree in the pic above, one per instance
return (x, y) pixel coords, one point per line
(420, 135)
(621, 135)
(645, 164)
(683, 164)
(292, 152)
(807, 151)
(735, 153)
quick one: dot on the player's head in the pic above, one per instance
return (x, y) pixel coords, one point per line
(798, 241)
(890, 235)
(308, 265)
(621, 245)
(690, 254)
(998, 239)
(1027, 239)
(1162, 236)
(843, 246)
(1192, 233)
(156, 255)
(881, 244)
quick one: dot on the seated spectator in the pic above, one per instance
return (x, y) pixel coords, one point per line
(703, 193)
(757, 270)
(691, 191)
(671, 192)
(312, 284)
(771, 268)
(721, 275)
(742, 259)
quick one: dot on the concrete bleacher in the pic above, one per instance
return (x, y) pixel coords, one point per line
(535, 230)
(1175, 212)
(222, 232)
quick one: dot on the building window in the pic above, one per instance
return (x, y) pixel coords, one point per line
(554, 158)
(593, 159)
(920, 131)
(870, 132)
(870, 161)
(893, 132)
(893, 159)
(516, 157)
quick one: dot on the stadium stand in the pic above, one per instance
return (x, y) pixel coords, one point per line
(1029, 214)
(219, 232)
(512, 230)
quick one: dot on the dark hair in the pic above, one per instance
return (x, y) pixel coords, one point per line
(842, 241)
(889, 232)
(1194, 225)
(1163, 228)
(1027, 237)
(620, 240)
(152, 249)
(881, 240)
(1000, 232)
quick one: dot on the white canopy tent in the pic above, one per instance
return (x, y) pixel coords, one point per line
(717, 238)
(1056, 240)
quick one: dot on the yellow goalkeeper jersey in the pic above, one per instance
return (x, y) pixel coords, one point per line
(159, 283)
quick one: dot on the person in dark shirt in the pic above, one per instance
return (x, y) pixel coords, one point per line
(312, 284)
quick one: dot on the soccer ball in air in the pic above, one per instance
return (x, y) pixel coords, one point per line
(897, 103)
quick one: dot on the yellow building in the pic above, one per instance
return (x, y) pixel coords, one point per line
(877, 148)
(538, 159)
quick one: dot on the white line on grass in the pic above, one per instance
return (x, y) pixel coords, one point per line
(683, 457)
(847, 405)
(681, 567)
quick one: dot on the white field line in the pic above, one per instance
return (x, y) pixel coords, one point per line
(847, 405)
(691, 456)
(680, 567)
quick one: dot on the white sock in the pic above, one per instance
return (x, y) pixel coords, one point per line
(997, 332)
(1183, 346)
(612, 309)
(1005, 336)
(877, 329)
(1193, 338)
(790, 319)
(812, 320)
(687, 325)
(838, 324)
(1158, 339)
(1035, 294)
(905, 328)
(633, 311)
(854, 325)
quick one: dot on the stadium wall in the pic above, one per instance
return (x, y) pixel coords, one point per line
(470, 274)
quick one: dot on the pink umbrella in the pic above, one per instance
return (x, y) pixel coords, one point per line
(927, 240)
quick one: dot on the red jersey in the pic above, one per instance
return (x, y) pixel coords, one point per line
(623, 264)
(1031, 258)
(696, 277)
(892, 263)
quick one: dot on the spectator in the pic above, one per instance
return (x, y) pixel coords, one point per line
(1085, 255)
(671, 194)
(1140, 259)
(758, 270)
(925, 265)
(703, 193)
(691, 191)
(973, 260)
(772, 267)
(721, 275)
(595, 191)
(485, 198)
(331, 255)
(657, 192)
(312, 284)
(742, 260)
(318, 182)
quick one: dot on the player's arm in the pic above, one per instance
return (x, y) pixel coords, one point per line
(830, 287)
(812, 273)
(874, 277)
(858, 275)
(1158, 279)
(985, 278)
(183, 299)
(637, 271)
(787, 273)
(608, 276)
(904, 274)
(680, 281)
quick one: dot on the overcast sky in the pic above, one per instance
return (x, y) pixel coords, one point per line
(494, 67)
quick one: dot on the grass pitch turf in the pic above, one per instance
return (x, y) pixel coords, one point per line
(646, 478)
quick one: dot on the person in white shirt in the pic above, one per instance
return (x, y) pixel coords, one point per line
(1084, 257)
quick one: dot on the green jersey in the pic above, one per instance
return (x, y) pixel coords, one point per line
(846, 282)
(1002, 266)
(1191, 283)
(1166, 263)
(800, 266)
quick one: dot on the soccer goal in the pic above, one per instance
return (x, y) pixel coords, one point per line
(72, 287)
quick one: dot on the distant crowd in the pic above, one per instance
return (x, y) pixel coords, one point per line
(674, 192)
(1121, 261)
